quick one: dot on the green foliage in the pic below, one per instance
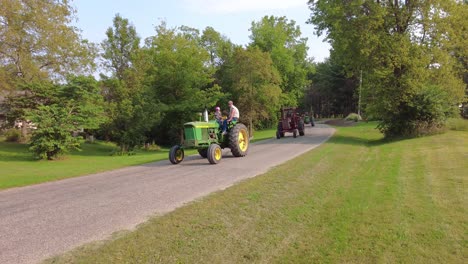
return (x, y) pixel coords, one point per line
(353, 117)
(128, 113)
(77, 105)
(420, 113)
(120, 46)
(38, 43)
(179, 79)
(400, 47)
(281, 38)
(256, 85)
(12, 135)
(53, 136)
(331, 92)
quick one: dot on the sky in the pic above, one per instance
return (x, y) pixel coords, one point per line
(231, 18)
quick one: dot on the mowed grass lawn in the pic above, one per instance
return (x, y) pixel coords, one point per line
(19, 168)
(355, 199)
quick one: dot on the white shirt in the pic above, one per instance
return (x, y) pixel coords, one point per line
(235, 112)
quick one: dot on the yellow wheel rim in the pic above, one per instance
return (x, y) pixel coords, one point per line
(179, 155)
(243, 140)
(217, 154)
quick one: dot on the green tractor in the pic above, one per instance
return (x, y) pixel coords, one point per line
(209, 140)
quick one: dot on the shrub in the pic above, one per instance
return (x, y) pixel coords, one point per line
(353, 117)
(421, 113)
(12, 135)
(53, 136)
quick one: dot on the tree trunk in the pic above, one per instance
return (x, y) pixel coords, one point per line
(24, 130)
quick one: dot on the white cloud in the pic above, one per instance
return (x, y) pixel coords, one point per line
(237, 6)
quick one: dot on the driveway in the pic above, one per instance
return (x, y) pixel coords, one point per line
(40, 221)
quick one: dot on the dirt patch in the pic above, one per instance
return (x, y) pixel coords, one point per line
(340, 122)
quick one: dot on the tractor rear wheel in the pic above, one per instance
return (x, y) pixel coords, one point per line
(214, 154)
(203, 153)
(301, 128)
(176, 154)
(239, 140)
(278, 135)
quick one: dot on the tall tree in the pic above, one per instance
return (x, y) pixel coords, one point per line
(37, 43)
(256, 85)
(402, 48)
(179, 78)
(332, 92)
(120, 46)
(282, 39)
(218, 46)
(130, 113)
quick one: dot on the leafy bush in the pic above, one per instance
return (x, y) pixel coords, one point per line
(354, 117)
(53, 136)
(12, 135)
(420, 113)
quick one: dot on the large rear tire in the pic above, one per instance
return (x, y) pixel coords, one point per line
(176, 154)
(203, 153)
(278, 135)
(214, 154)
(301, 128)
(239, 140)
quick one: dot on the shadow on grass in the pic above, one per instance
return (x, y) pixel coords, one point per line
(10, 151)
(359, 141)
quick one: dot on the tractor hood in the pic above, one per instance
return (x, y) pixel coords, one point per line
(197, 124)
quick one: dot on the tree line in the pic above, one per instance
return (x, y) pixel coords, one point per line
(403, 63)
(149, 87)
(410, 55)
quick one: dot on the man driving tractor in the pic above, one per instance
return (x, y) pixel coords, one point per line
(233, 116)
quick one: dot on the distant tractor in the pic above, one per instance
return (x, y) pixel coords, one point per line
(308, 119)
(208, 139)
(290, 122)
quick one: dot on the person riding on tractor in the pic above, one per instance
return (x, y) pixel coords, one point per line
(233, 116)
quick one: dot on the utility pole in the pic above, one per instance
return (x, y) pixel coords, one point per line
(360, 88)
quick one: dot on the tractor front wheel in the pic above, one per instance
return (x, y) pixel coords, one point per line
(176, 154)
(239, 140)
(214, 154)
(278, 135)
(295, 133)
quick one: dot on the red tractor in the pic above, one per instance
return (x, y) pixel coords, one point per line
(290, 122)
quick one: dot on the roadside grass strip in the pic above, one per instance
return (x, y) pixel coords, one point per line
(355, 199)
(19, 168)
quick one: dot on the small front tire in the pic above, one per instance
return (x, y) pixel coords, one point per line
(215, 154)
(176, 154)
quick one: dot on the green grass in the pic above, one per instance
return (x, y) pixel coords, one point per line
(458, 124)
(19, 168)
(264, 134)
(355, 199)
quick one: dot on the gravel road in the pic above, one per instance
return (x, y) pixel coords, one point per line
(40, 221)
